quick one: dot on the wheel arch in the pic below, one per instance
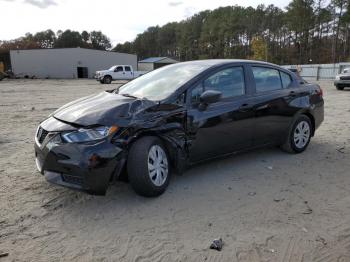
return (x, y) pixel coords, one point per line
(174, 144)
(307, 113)
(312, 119)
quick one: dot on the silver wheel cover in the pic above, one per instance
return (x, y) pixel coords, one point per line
(157, 165)
(302, 134)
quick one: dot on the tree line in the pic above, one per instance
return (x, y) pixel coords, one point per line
(306, 31)
(61, 39)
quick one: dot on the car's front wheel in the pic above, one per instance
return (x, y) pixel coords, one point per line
(299, 135)
(148, 167)
(107, 79)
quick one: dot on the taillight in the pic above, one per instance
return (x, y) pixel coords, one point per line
(319, 91)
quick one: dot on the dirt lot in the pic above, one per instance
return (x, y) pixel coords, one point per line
(266, 205)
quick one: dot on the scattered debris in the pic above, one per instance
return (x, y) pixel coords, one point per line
(322, 240)
(269, 167)
(308, 209)
(217, 244)
(305, 230)
(33, 108)
(229, 188)
(210, 224)
(341, 150)
(4, 254)
(272, 250)
(49, 109)
(252, 193)
(278, 199)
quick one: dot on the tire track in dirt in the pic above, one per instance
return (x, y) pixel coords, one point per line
(339, 250)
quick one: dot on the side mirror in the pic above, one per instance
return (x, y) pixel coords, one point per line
(210, 97)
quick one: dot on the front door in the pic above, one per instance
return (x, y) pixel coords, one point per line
(119, 73)
(222, 127)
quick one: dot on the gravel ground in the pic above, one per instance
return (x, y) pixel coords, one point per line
(266, 205)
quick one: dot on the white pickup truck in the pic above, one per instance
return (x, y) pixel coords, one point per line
(117, 72)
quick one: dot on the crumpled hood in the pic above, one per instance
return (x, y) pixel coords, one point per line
(101, 109)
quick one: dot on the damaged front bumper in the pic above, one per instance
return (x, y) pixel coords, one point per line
(88, 167)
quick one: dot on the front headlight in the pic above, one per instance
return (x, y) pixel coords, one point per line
(85, 135)
(337, 77)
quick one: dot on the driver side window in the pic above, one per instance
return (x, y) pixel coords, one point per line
(229, 81)
(119, 69)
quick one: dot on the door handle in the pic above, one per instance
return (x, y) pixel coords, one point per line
(244, 108)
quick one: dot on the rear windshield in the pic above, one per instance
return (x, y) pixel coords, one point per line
(161, 83)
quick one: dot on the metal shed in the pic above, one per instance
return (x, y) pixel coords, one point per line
(66, 62)
(152, 63)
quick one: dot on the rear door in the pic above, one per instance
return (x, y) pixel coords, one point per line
(128, 74)
(224, 126)
(274, 92)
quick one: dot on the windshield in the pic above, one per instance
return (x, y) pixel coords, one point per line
(162, 82)
(112, 68)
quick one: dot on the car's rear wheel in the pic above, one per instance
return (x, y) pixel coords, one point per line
(148, 167)
(107, 80)
(299, 135)
(339, 87)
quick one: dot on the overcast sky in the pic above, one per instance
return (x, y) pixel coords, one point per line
(120, 20)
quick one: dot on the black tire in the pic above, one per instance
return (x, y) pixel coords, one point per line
(137, 167)
(339, 87)
(107, 80)
(290, 145)
(102, 82)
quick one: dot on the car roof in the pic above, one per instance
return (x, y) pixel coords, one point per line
(215, 62)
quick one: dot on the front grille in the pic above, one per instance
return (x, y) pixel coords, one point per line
(345, 78)
(72, 179)
(41, 135)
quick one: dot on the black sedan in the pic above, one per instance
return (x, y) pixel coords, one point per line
(174, 117)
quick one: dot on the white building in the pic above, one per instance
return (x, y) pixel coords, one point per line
(66, 62)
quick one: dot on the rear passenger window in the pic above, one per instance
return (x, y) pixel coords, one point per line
(266, 79)
(127, 69)
(286, 79)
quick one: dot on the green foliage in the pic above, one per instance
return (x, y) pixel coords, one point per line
(99, 41)
(66, 39)
(69, 39)
(308, 30)
(259, 48)
(305, 30)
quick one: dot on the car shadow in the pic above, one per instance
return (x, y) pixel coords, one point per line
(204, 179)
